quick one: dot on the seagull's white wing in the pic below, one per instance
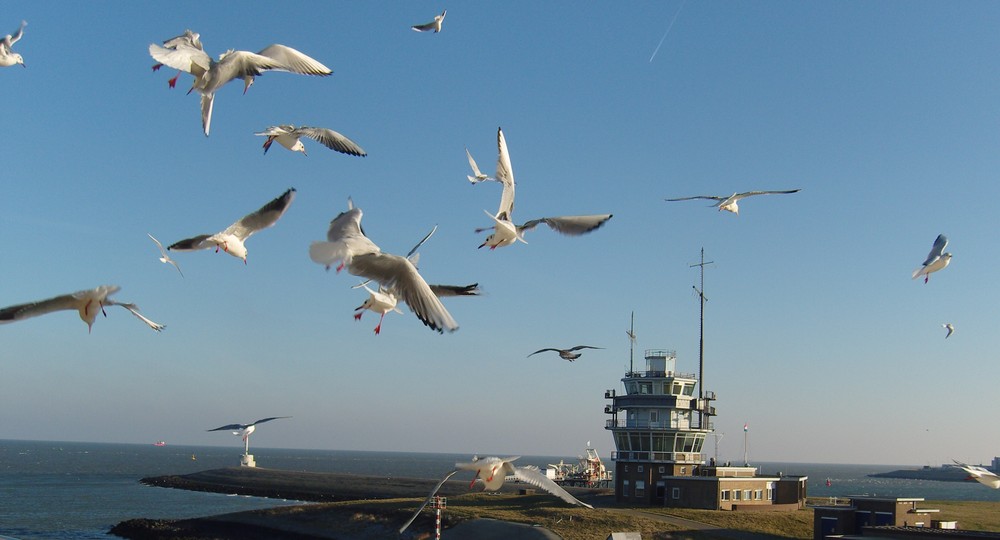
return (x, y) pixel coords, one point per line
(709, 197)
(263, 218)
(183, 56)
(332, 140)
(570, 225)
(11, 39)
(505, 175)
(428, 499)
(294, 61)
(532, 476)
(135, 311)
(472, 163)
(400, 276)
(746, 194)
(939, 244)
(345, 239)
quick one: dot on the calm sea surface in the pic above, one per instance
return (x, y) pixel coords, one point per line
(68, 490)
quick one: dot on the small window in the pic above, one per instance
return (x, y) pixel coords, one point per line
(662, 470)
(758, 495)
(683, 471)
(626, 468)
(640, 469)
(770, 494)
(625, 486)
(724, 495)
(675, 493)
(640, 488)
(746, 494)
(736, 494)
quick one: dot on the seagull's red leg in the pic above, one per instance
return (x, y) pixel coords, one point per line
(473, 482)
(340, 267)
(379, 327)
(927, 278)
(267, 144)
(102, 310)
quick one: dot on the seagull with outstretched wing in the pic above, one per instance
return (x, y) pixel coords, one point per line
(290, 137)
(88, 303)
(981, 475)
(505, 231)
(433, 26)
(493, 472)
(729, 202)
(567, 354)
(232, 239)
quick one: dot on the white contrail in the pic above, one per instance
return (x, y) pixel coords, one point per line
(671, 25)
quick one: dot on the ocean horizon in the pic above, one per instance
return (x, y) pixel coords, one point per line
(79, 490)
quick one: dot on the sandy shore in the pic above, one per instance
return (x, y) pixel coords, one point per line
(312, 521)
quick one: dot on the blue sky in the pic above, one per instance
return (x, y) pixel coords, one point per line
(885, 114)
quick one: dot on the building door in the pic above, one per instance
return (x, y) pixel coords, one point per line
(661, 490)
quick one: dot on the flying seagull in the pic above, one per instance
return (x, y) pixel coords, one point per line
(164, 258)
(188, 39)
(290, 136)
(505, 232)
(729, 203)
(87, 303)
(232, 239)
(936, 259)
(434, 25)
(7, 55)
(477, 176)
(244, 430)
(567, 354)
(493, 471)
(950, 328)
(211, 75)
(347, 245)
(980, 474)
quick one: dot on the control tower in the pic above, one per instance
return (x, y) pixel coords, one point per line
(659, 427)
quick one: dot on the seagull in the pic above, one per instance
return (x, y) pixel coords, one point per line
(164, 258)
(505, 232)
(7, 55)
(729, 203)
(980, 474)
(347, 244)
(567, 354)
(493, 471)
(210, 75)
(950, 328)
(87, 303)
(477, 176)
(434, 25)
(289, 137)
(381, 302)
(936, 260)
(232, 239)
(244, 430)
(188, 39)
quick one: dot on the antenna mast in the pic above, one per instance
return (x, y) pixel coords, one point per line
(631, 341)
(701, 324)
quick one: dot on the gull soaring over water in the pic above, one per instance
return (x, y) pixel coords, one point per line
(936, 259)
(567, 354)
(244, 430)
(7, 55)
(290, 136)
(729, 203)
(232, 239)
(87, 303)
(347, 245)
(164, 258)
(433, 26)
(211, 75)
(493, 471)
(505, 232)
(980, 474)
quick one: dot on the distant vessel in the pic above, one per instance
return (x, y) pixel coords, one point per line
(160, 443)
(589, 472)
(193, 458)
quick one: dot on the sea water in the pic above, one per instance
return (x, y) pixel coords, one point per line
(72, 490)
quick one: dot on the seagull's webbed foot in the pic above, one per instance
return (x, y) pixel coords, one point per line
(156, 67)
(173, 82)
(357, 316)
